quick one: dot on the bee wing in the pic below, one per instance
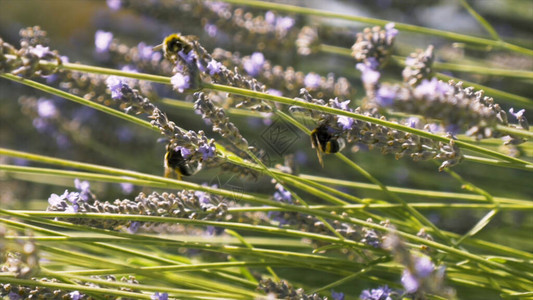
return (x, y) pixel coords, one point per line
(191, 37)
(158, 47)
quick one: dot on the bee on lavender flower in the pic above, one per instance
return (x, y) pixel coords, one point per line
(174, 43)
(176, 165)
(325, 140)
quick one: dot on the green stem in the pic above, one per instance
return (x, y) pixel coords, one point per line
(481, 20)
(412, 192)
(400, 26)
(464, 68)
(284, 100)
(327, 109)
(281, 231)
(81, 288)
(130, 176)
(509, 97)
(515, 131)
(419, 205)
(79, 100)
(106, 246)
(170, 268)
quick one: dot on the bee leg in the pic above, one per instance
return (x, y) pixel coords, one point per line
(320, 160)
(168, 173)
(315, 143)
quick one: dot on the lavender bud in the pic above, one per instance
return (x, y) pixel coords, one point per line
(418, 66)
(375, 43)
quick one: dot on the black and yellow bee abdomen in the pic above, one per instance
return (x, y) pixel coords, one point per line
(176, 164)
(332, 147)
(325, 141)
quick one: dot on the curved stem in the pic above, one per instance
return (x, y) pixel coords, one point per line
(400, 26)
(481, 20)
(289, 101)
(327, 109)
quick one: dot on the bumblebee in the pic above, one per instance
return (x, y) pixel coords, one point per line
(177, 166)
(325, 140)
(174, 43)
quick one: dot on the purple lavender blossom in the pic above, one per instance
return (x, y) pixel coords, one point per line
(345, 123)
(372, 62)
(203, 197)
(46, 108)
(369, 76)
(58, 200)
(452, 129)
(284, 24)
(67, 202)
(435, 128)
(39, 50)
(385, 96)
(409, 282)
(211, 30)
(158, 296)
(270, 17)
(391, 32)
(337, 296)
(127, 188)
(413, 122)
(282, 195)
(114, 84)
(189, 58)
(371, 238)
(76, 295)
(214, 67)
(522, 121)
(432, 89)
(424, 266)
(85, 189)
(519, 114)
(145, 51)
(73, 198)
(14, 296)
(114, 4)
(213, 230)
(184, 151)
(102, 40)
(180, 82)
(312, 81)
(340, 105)
(253, 65)
(207, 151)
(134, 226)
(381, 293)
